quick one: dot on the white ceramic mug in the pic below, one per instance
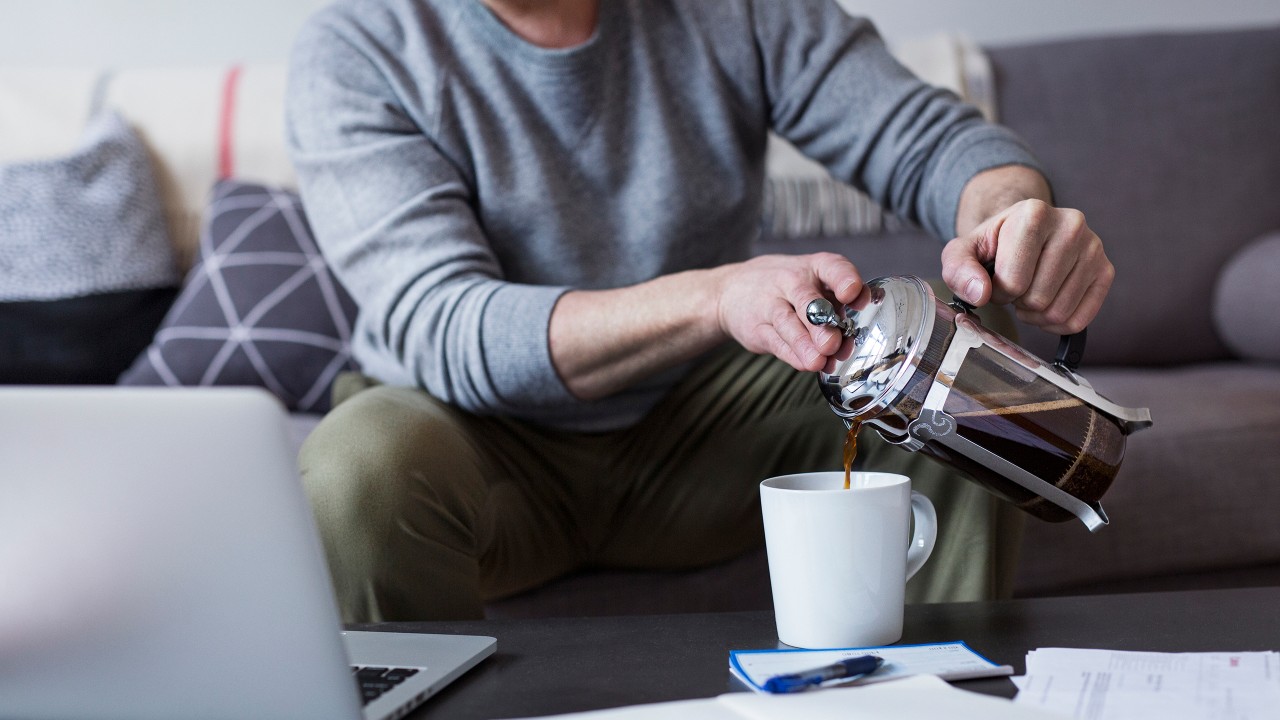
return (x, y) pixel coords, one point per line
(839, 559)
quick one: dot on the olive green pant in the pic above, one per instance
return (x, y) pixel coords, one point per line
(427, 511)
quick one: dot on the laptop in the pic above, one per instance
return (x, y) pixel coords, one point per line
(158, 559)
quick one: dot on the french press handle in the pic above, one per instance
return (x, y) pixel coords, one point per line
(1070, 347)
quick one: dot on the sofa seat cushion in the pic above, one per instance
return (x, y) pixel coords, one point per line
(1188, 495)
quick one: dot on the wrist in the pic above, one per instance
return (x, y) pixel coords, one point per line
(716, 298)
(995, 190)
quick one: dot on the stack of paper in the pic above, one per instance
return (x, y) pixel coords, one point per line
(1106, 684)
(923, 697)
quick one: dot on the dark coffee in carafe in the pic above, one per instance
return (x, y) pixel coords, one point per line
(929, 378)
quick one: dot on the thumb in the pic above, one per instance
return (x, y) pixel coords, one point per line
(963, 271)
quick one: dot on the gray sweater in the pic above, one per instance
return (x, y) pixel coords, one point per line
(460, 180)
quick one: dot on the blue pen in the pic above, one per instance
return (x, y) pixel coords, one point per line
(844, 669)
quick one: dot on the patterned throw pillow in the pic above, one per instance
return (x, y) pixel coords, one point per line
(260, 307)
(86, 266)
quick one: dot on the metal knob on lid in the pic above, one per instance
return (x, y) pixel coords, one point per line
(822, 312)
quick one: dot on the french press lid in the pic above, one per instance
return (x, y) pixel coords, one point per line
(886, 329)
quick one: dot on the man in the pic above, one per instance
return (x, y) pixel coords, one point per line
(544, 209)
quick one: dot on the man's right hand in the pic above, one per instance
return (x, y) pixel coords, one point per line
(761, 304)
(602, 341)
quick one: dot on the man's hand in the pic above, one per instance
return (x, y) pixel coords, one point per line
(1048, 263)
(604, 340)
(761, 304)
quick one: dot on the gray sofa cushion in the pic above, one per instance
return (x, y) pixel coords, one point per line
(1196, 492)
(1245, 301)
(1168, 143)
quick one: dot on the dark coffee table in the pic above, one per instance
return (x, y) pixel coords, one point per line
(569, 664)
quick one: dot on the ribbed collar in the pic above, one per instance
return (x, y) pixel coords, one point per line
(507, 43)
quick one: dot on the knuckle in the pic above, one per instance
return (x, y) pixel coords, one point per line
(1073, 325)
(1017, 284)
(1057, 316)
(1107, 275)
(1036, 302)
(1073, 222)
(950, 276)
(1108, 269)
(777, 347)
(1036, 210)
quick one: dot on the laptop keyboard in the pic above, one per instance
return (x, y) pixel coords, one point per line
(374, 681)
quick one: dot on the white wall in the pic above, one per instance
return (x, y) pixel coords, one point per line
(148, 32)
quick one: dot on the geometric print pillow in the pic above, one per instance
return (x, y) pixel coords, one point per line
(260, 306)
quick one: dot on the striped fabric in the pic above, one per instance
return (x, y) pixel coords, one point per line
(813, 207)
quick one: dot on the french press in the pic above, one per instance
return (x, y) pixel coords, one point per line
(930, 378)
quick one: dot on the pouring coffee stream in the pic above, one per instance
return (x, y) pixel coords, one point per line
(930, 378)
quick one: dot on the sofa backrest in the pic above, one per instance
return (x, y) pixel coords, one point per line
(200, 124)
(1170, 144)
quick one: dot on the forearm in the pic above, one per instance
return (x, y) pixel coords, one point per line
(602, 341)
(997, 189)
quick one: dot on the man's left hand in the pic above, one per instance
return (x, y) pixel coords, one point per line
(1048, 263)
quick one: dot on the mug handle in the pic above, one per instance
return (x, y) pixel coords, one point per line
(925, 521)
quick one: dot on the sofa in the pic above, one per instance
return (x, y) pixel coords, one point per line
(1170, 143)
(1167, 142)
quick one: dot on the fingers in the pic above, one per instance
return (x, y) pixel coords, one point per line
(767, 302)
(823, 275)
(1058, 259)
(834, 277)
(1023, 236)
(1048, 263)
(962, 271)
(837, 274)
(798, 347)
(1078, 302)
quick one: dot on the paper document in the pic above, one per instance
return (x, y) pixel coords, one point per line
(1106, 684)
(949, 661)
(916, 698)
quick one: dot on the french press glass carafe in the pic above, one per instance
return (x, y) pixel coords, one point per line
(930, 378)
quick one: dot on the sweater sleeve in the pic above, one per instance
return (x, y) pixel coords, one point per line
(394, 216)
(836, 93)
